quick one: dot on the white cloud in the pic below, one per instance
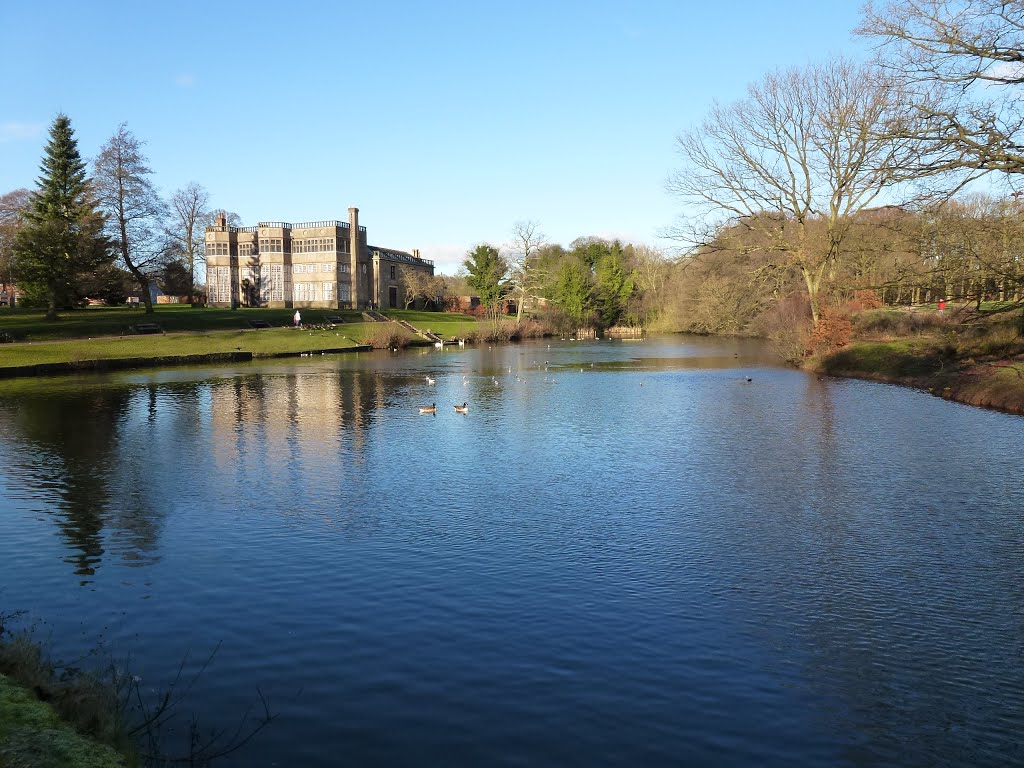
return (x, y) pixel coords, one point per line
(17, 131)
(1005, 70)
(185, 80)
(447, 258)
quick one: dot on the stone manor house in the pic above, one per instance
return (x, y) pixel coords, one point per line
(325, 264)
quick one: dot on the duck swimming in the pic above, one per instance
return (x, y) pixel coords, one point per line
(432, 408)
(464, 408)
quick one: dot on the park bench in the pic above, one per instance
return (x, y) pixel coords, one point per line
(259, 324)
(148, 328)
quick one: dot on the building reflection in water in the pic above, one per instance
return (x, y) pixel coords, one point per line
(110, 462)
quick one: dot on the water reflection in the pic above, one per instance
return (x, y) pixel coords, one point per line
(71, 447)
(784, 571)
(96, 458)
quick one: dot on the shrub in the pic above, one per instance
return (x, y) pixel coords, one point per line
(531, 329)
(864, 300)
(892, 323)
(498, 333)
(993, 339)
(833, 331)
(386, 337)
(786, 324)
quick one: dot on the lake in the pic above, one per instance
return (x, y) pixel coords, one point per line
(625, 553)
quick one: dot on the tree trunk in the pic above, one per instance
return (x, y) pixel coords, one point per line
(813, 283)
(136, 272)
(51, 302)
(144, 285)
(191, 268)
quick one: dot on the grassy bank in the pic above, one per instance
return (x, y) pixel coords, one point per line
(105, 334)
(54, 716)
(95, 713)
(258, 342)
(32, 735)
(975, 358)
(23, 325)
(30, 325)
(448, 325)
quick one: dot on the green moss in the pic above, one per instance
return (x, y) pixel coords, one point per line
(33, 736)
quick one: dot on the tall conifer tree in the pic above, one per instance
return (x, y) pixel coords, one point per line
(62, 237)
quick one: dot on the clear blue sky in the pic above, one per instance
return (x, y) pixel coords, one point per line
(443, 122)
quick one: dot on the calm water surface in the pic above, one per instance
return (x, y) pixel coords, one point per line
(624, 554)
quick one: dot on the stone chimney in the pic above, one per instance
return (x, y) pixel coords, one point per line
(353, 248)
(222, 221)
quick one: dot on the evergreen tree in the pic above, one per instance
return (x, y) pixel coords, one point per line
(486, 273)
(62, 237)
(614, 286)
(573, 292)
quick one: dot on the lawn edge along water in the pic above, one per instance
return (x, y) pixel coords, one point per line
(934, 366)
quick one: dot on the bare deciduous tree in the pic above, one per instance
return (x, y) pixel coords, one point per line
(232, 218)
(418, 284)
(527, 239)
(135, 212)
(650, 271)
(186, 230)
(961, 62)
(12, 209)
(791, 165)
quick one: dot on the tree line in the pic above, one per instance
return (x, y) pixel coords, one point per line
(103, 234)
(846, 182)
(828, 186)
(594, 284)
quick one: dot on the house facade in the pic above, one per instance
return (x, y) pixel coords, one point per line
(314, 264)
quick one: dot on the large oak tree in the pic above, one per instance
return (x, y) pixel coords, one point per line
(961, 63)
(791, 165)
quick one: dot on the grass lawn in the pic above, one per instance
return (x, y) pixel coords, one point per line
(29, 325)
(104, 333)
(259, 342)
(445, 324)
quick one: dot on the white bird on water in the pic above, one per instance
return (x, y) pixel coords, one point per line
(430, 380)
